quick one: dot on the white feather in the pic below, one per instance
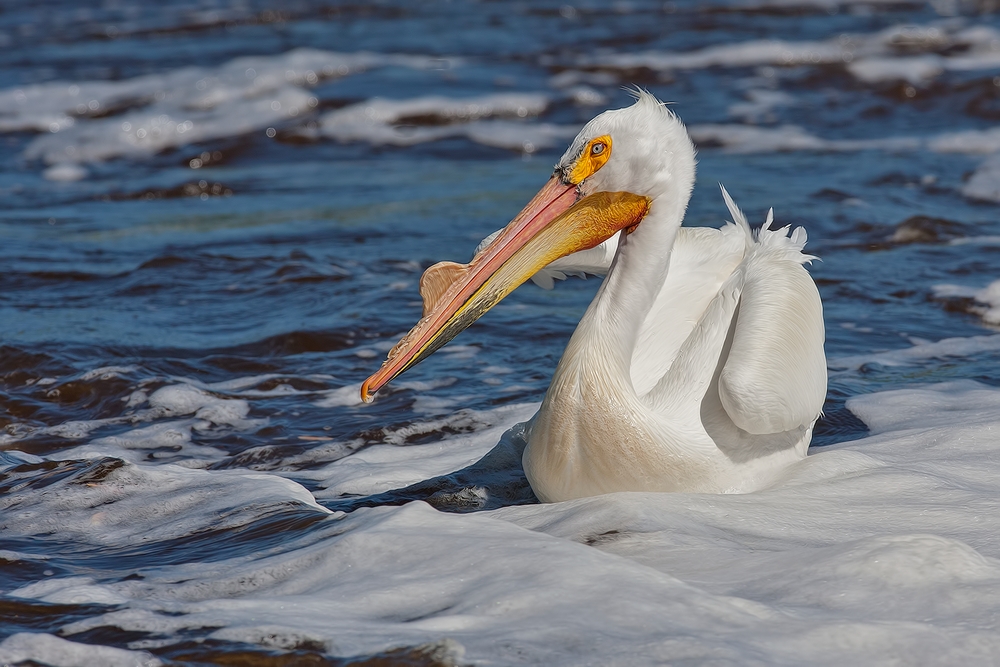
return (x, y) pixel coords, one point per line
(699, 366)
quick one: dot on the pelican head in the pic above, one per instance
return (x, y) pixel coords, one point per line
(651, 154)
(621, 164)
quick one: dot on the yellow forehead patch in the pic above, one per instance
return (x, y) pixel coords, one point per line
(594, 156)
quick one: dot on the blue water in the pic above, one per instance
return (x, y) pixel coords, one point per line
(296, 258)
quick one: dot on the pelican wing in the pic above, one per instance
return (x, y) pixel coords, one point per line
(774, 377)
(595, 261)
(702, 259)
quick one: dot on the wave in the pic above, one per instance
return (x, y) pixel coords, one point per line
(984, 302)
(921, 351)
(911, 53)
(484, 120)
(95, 121)
(719, 572)
(91, 122)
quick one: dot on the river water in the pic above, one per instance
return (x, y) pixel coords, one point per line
(213, 222)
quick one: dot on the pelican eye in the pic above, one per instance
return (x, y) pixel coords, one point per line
(593, 157)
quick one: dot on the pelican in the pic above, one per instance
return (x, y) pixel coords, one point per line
(699, 365)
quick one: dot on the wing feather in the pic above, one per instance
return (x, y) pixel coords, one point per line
(774, 378)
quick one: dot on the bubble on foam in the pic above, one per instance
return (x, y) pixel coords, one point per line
(50, 650)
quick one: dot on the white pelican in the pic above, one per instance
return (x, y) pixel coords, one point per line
(699, 365)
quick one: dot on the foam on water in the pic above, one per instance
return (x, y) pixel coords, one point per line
(381, 468)
(884, 56)
(203, 411)
(880, 549)
(123, 504)
(987, 299)
(739, 138)
(57, 652)
(95, 121)
(984, 184)
(187, 471)
(479, 119)
(753, 139)
(922, 350)
(151, 113)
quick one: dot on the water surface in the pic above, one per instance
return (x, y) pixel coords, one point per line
(214, 220)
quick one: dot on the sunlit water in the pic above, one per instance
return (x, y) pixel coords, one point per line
(213, 223)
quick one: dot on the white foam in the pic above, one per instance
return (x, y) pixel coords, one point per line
(923, 408)
(184, 106)
(345, 396)
(384, 467)
(479, 119)
(69, 590)
(814, 4)
(156, 427)
(138, 504)
(754, 139)
(743, 54)
(57, 652)
(761, 104)
(987, 239)
(970, 142)
(892, 54)
(880, 550)
(921, 351)
(987, 298)
(71, 430)
(984, 184)
(65, 173)
(915, 70)
(107, 373)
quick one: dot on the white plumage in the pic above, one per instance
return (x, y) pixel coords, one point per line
(699, 365)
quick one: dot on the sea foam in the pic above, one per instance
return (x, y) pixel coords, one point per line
(881, 549)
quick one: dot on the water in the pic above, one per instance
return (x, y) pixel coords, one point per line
(214, 219)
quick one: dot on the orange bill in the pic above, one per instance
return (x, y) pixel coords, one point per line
(555, 223)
